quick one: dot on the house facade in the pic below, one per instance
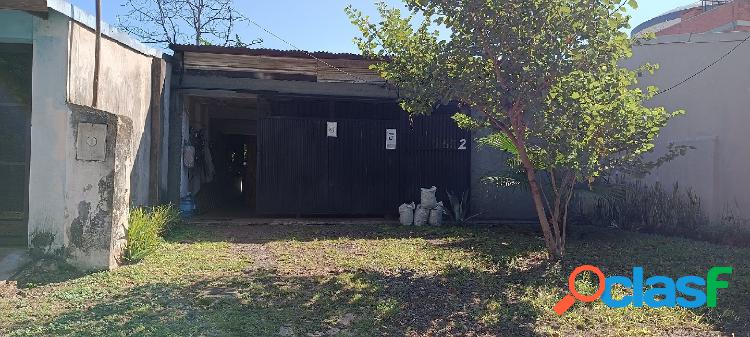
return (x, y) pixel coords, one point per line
(70, 169)
(243, 132)
(293, 133)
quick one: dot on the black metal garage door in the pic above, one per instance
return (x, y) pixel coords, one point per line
(304, 171)
(434, 152)
(15, 124)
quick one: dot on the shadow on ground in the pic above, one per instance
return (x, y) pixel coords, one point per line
(264, 303)
(264, 300)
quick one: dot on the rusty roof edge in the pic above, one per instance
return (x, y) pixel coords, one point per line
(268, 52)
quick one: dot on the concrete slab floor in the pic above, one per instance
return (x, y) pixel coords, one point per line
(11, 261)
(288, 221)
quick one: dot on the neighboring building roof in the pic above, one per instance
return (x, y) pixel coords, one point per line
(265, 52)
(663, 20)
(700, 17)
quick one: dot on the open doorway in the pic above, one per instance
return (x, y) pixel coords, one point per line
(223, 131)
(236, 173)
(15, 142)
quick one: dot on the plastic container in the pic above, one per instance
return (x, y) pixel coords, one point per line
(187, 207)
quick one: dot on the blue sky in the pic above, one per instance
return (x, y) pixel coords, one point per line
(321, 25)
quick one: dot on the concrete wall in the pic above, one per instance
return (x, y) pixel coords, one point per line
(123, 179)
(18, 27)
(492, 202)
(124, 90)
(717, 103)
(50, 129)
(85, 203)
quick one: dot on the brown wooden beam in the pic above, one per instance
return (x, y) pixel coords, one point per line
(158, 72)
(35, 7)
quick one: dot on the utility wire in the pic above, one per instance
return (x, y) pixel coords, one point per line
(704, 68)
(355, 77)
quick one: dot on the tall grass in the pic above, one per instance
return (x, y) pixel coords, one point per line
(650, 208)
(147, 225)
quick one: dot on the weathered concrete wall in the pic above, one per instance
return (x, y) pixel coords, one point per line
(50, 129)
(96, 233)
(717, 103)
(18, 27)
(85, 203)
(490, 201)
(124, 90)
(165, 123)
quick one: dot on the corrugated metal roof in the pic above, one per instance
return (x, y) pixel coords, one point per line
(265, 52)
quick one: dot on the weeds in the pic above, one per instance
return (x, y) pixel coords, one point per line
(145, 230)
(640, 207)
(460, 208)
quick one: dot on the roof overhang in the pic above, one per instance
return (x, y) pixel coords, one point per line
(35, 7)
(265, 52)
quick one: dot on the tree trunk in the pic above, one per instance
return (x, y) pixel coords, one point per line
(550, 238)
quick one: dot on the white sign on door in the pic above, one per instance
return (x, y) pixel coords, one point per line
(332, 129)
(390, 139)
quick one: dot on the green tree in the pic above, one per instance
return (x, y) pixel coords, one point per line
(543, 76)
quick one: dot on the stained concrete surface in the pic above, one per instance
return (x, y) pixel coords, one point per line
(251, 221)
(11, 261)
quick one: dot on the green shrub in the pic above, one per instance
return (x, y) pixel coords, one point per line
(145, 230)
(459, 208)
(650, 208)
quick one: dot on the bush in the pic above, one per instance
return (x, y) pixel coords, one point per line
(146, 226)
(639, 207)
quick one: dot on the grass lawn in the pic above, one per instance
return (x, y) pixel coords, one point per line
(370, 281)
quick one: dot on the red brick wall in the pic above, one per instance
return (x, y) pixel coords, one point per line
(696, 21)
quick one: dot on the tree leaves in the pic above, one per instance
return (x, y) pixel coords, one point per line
(543, 77)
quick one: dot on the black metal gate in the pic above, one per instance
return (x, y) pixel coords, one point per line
(15, 140)
(434, 152)
(302, 170)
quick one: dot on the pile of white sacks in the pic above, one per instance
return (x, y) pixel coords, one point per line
(429, 211)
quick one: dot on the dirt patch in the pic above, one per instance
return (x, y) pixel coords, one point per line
(8, 289)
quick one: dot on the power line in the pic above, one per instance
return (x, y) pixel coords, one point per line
(704, 68)
(356, 78)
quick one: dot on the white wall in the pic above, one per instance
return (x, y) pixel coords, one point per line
(49, 128)
(717, 103)
(65, 192)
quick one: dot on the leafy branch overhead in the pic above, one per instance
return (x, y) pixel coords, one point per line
(544, 77)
